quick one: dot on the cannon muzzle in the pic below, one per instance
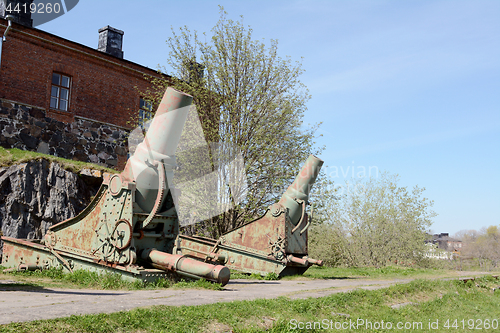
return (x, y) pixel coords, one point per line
(297, 195)
(158, 147)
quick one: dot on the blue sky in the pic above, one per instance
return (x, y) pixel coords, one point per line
(409, 87)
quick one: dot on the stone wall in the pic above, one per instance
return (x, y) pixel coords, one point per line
(27, 128)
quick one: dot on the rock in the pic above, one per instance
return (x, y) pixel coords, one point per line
(91, 173)
(35, 131)
(38, 194)
(43, 147)
(41, 124)
(46, 135)
(9, 130)
(103, 155)
(37, 113)
(71, 138)
(30, 141)
(112, 162)
(66, 147)
(80, 155)
(121, 151)
(93, 158)
(56, 138)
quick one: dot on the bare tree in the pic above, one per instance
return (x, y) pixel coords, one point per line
(482, 245)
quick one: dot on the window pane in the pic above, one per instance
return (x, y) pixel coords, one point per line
(145, 105)
(64, 93)
(64, 105)
(56, 78)
(54, 92)
(53, 102)
(65, 81)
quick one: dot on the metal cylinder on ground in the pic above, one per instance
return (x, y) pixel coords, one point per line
(318, 262)
(187, 266)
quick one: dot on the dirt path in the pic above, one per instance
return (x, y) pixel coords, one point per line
(46, 303)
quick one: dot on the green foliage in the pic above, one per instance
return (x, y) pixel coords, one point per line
(272, 276)
(199, 284)
(373, 223)
(248, 99)
(81, 278)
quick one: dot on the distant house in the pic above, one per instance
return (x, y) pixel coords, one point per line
(66, 99)
(442, 246)
(445, 242)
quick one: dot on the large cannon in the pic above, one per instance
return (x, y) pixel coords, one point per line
(274, 243)
(131, 225)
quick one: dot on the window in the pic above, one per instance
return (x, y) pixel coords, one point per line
(59, 93)
(145, 108)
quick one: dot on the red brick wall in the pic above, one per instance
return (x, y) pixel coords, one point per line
(103, 87)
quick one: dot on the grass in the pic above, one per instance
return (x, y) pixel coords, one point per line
(423, 301)
(388, 272)
(428, 302)
(13, 156)
(56, 278)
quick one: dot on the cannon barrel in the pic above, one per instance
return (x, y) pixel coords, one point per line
(159, 146)
(186, 266)
(297, 195)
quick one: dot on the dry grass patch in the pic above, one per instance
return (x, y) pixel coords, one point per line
(217, 327)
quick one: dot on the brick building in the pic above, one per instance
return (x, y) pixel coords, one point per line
(445, 242)
(66, 99)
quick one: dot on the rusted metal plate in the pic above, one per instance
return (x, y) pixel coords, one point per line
(265, 235)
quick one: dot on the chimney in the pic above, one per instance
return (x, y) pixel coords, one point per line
(20, 9)
(110, 41)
